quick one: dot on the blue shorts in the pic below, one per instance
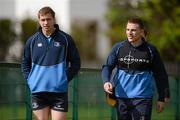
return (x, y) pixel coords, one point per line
(56, 101)
(134, 109)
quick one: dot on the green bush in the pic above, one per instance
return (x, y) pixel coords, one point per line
(29, 27)
(7, 36)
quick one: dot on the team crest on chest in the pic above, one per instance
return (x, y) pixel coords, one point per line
(57, 44)
(39, 44)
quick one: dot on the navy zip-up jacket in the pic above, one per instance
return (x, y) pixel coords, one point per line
(48, 64)
(138, 69)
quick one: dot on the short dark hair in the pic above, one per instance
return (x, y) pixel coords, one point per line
(46, 10)
(138, 21)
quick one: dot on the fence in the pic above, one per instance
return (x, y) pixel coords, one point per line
(86, 97)
(14, 94)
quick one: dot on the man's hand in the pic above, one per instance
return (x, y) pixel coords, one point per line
(166, 100)
(108, 87)
(161, 105)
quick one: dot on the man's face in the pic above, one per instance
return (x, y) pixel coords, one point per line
(133, 32)
(46, 22)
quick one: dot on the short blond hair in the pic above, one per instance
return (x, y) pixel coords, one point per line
(46, 10)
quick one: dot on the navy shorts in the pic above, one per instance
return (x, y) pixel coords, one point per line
(56, 101)
(134, 109)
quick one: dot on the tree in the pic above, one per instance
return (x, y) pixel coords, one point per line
(7, 37)
(163, 17)
(29, 27)
(162, 21)
(85, 38)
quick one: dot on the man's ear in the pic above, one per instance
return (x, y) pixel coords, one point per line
(55, 20)
(142, 33)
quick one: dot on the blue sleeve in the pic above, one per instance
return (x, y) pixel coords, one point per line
(26, 60)
(160, 75)
(73, 59)
(111, 63)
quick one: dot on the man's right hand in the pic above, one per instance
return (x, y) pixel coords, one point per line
(108, 87)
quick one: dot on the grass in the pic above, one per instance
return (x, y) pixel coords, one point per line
(167, 114)
(87, 111)
(12, 112)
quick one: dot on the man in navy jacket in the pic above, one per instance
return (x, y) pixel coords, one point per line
(50, 61)
(138, 69)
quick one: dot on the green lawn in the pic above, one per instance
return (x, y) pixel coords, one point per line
(85, 112)
(12, 112)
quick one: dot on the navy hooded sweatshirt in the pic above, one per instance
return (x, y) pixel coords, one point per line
(139, 70)
(49, 63)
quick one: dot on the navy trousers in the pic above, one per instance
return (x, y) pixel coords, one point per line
(134, 109)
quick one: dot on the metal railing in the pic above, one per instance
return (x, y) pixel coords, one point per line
(86, 96)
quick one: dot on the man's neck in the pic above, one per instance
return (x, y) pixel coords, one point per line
(137, 43)
(48, 33)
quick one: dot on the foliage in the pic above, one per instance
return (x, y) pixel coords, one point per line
(29, 27)
(162, 21)
(85, 38)
(7, 37)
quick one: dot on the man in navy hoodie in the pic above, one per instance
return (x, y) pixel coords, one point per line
(139, 69)
(50, 61)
